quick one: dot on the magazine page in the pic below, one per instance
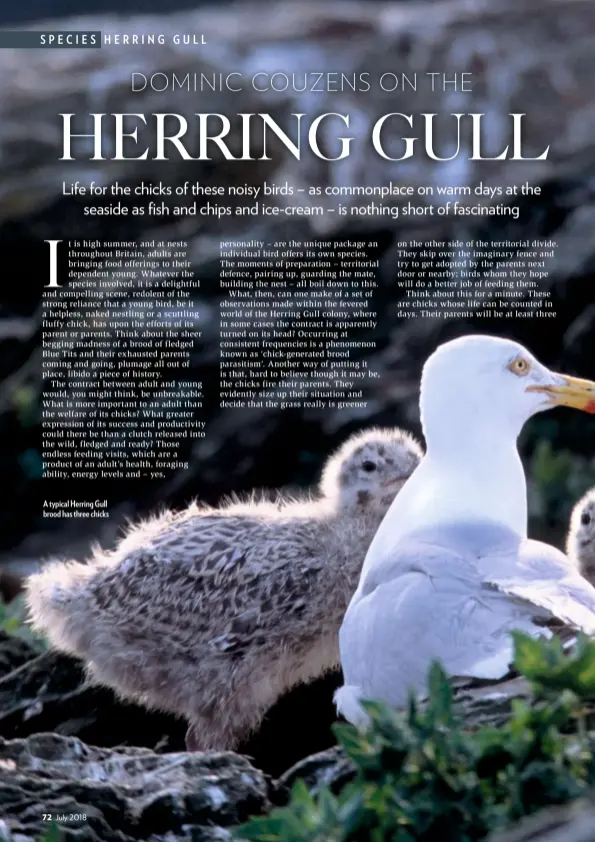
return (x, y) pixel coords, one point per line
(297, 343)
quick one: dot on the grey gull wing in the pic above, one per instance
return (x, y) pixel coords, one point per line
(454, 593)
(545, 577)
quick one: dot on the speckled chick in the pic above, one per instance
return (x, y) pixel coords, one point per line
(213, 614)
(580, 544)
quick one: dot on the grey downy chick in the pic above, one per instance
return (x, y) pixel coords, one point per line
(580, 543)
(214, 613)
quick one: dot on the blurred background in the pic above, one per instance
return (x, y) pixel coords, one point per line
(525, 57)
(33, 10)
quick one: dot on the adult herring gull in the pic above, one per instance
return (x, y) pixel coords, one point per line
(451, 572)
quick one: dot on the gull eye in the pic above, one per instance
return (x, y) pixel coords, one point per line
(520, 366)
(586, 518)
(369, 466)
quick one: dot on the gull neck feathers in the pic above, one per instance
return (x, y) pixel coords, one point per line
(492, 488)
(472, 470)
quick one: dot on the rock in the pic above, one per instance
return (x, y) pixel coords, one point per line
(36, 10)
(49, 693)
(14, 652)
(478, 703)
(125, 794)
(574, 822)
(326, 769)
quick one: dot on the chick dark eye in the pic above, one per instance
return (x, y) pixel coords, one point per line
(585, 518)
(369, 466)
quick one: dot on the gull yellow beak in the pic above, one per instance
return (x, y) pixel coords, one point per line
(574, 392)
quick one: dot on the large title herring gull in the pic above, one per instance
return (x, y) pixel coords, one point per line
(451, 572)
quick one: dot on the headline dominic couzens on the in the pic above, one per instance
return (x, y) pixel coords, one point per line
(246, 136)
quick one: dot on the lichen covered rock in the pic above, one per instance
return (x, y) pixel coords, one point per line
(125, 794)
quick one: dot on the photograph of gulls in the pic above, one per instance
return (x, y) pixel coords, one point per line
(451, 571)
(580, 544)
(213, 614)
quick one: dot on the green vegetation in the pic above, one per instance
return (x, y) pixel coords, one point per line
(52, 834)
(420, 777)
(557, 480)
(13, 620)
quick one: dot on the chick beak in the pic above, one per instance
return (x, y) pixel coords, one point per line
(395, 480)
(571, 391)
